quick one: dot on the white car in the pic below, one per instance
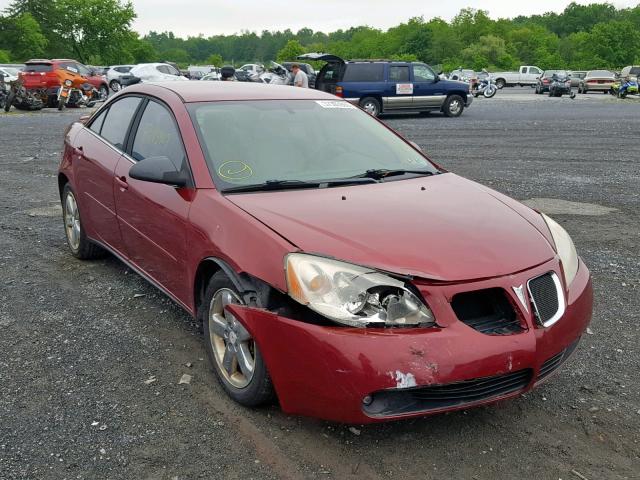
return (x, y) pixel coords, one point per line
(213, 76)
(252, 68)
(10, 74)
(157, 72)
(114, 73)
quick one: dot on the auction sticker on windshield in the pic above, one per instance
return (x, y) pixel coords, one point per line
(334, 104)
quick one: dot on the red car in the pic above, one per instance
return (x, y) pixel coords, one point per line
(332, 264)
(42, 74)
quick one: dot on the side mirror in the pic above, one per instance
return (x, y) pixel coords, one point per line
(158, 170)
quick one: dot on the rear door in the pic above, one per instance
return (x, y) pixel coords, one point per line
(428, 93)
(330, 74)
(153, 217)
(98, 149)
(400, 89)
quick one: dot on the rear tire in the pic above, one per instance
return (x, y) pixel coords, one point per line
(370, 105)
(250, 392)
(81, 247)
(453, 106)
(115, 86)
(490, 92)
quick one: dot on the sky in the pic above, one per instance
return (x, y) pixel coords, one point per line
(214, 17)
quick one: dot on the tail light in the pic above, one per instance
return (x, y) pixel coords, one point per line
(339, 91)
(592, 81)
(546, 80)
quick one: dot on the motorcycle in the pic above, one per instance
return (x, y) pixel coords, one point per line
(4, 92)
(484, 86)
(75, 91)
(625, 87)
(560, 85)
(23, 99)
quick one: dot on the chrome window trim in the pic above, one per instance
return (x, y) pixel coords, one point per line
(561, 302)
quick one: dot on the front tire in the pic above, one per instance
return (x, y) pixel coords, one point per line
(490, 92)
(104, 92)
(81, 247)
(453, 106)
(233, 353)
(61, 103)
(371, 106)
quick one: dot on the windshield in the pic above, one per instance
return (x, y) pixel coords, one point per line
(253, 142)
(38, 67)
(11, 71)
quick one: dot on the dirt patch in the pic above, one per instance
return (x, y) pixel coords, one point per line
(556, 206)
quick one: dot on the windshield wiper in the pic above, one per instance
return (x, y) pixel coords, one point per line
(295, 184)
(380, 173)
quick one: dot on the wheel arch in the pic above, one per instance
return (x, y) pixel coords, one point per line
(376, 95)
(254, 291)
(62, 181)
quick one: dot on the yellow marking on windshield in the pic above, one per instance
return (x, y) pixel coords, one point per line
(235, 170)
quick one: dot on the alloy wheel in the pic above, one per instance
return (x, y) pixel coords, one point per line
(455, 106)
(72, 221)
(233, 348)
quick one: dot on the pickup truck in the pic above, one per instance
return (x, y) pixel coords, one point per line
(526, 75)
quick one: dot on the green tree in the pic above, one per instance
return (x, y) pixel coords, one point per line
(290, 51)
(95, 28)
(27, 38)
(215, 59)
(4, 56)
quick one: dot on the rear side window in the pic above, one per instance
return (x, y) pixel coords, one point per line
(96, 125)
(38, 67)
(115, 126)
(398, 74)
(158, 136)
(122, 69)
(364, 72)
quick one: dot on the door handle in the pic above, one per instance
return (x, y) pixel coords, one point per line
(78, 150)
(122, 182)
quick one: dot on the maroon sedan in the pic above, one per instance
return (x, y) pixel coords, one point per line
(332, 264)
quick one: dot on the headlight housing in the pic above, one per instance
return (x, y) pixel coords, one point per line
(353, 295)
(68, 83)
(565, 248)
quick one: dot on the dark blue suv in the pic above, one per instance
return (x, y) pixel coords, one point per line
(382, 86)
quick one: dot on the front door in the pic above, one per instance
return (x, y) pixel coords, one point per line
(153, 217)
(428, 93)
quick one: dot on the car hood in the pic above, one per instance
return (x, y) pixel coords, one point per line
(442, 227)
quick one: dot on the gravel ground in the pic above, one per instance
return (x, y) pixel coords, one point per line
(91, 355)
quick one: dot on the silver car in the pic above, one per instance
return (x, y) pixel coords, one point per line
(114, 73)
(597, 81)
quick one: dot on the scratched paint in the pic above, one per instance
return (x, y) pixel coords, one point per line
(405, 380)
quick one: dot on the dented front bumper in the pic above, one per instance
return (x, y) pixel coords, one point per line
(358, 375)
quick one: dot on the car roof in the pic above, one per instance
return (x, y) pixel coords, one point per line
(219, 91)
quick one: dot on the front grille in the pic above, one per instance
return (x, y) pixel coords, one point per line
(545, 296)
(552, 364)
(435, 397)
(487, 311)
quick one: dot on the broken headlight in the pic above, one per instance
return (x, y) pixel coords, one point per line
(353, 295)
(565, 248)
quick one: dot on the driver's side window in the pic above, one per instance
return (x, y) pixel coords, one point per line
(158, 136)
(422, 73)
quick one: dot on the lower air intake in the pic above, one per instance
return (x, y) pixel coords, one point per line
(435, 397)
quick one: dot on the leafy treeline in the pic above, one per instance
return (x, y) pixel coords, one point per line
(99, 32)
